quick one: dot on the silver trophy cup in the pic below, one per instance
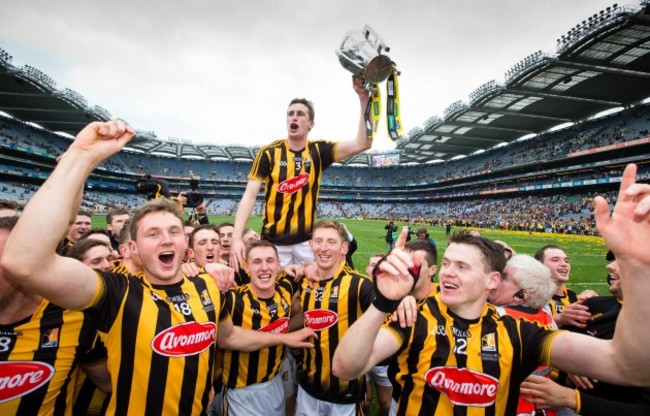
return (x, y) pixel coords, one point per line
(360, 53)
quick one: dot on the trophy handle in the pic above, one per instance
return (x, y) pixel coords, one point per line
(374, 39)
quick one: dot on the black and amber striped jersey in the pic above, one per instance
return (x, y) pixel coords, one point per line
(241, 276)
(604, 313)
(38, 360)
(447, 365)
(161, 342)
(542, 316)
(291, 184)
(120, 268)
(88, 399)
(559, 302)
(330, 307)
(64, 245)
(249, 311)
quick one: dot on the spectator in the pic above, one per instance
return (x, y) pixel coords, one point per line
(79, 227)
(391, 230)
(115, 220)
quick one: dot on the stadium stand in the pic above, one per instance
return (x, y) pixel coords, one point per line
(498, 160)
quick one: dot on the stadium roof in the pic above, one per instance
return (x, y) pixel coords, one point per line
(601, 64)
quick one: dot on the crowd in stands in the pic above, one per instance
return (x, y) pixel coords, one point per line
(569, 214)
(564, 212)
(632, 125)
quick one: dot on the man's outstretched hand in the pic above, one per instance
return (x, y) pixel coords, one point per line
(627, 230)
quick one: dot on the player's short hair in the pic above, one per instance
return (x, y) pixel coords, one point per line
(306, 103)
(114, 213)
(261, 243)
(154, 205)
(8, 204)
(541, 253)
(85, 213)
(535, 278)
(81, 247)
(430, 252)
(125, 233)
(340, 229)
(8, 223)
(493, 258)
(201, 228)
(224, 224)
(95, 231)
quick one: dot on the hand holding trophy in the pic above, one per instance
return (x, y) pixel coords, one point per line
(360, 52)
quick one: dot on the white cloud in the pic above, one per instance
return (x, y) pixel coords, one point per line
(224, 71)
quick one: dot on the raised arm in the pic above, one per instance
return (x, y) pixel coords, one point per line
(244, 211)
(366, 343)
(362, 142)
(29, 257)
(623, 360)
(627, 233)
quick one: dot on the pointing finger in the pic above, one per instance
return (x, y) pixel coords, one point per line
(401, 240)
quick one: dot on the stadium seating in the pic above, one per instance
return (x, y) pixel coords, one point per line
(545, 180)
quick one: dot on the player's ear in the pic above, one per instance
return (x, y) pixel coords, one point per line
(493, 280)
(133, 247)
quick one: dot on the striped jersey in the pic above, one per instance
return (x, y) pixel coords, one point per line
(291, 184)
(120, 268)
(559, 302)
(447, 365)
(330, 307)
(161, 342)
(64, 245)
(38, 360)
(89, 400)
(543, 316)
(249, 311)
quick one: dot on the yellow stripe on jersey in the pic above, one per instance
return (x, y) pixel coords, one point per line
(445, 361)
(48, 343)
(89, 400)
(161, 343)
(291, 187)
(248, 311)
(559, 303)
(330, 307)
